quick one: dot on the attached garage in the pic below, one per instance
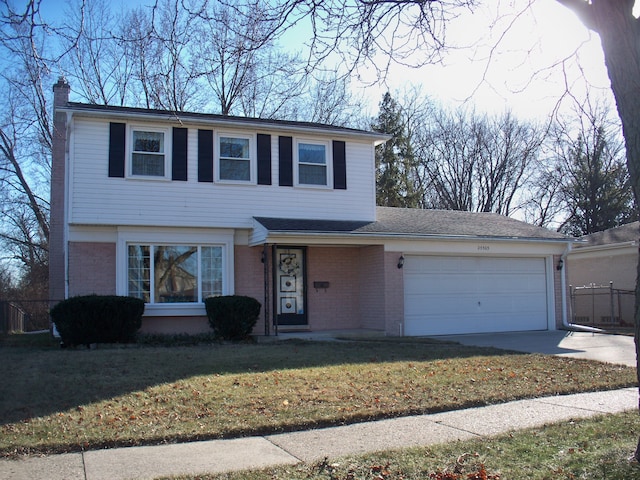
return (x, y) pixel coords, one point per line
(456, 294)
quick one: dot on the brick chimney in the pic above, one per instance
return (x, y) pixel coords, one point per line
(57, 248)
(61, 92)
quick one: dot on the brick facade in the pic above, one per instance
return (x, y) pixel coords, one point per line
(57, 260)
(336, 307)
(92, 268)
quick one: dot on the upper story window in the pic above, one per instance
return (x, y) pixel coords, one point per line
(313, 164)
(235, 158)
(149, 156)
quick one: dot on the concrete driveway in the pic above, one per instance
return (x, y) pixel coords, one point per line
(617, 349)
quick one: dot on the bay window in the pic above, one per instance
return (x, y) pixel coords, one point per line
(161, 274)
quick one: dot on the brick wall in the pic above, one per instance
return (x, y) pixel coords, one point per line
(92, 268)
(57, 213)
(249, 278)
(173, 325)
(336, 307)
(372, 287)
(394, 294)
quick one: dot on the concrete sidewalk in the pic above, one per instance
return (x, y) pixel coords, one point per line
(290, 448)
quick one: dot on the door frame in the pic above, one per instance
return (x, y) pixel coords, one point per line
(294, 321)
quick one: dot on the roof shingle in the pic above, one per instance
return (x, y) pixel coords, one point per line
(418, 222)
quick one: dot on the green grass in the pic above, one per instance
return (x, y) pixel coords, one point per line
(54, 400)
(595, 448)
(41, 339)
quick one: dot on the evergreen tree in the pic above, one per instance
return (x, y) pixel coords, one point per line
(395, 161)
(597, 186)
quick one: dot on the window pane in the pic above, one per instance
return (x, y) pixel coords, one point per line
(308, 153)
(234, 147)
(235, 170)
(211, 268)
(148, 142)
(176, 274)
(139, 272)
(152, 165)
(313, 174)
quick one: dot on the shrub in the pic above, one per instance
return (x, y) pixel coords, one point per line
(232, 317)
(98, 319)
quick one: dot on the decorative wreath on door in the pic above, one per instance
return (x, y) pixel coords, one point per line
(289, 264)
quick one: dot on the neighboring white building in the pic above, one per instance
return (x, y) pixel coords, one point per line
(174, 207)
(602, 270)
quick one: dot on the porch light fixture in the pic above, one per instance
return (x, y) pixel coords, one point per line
(560, 264)
(401, 261)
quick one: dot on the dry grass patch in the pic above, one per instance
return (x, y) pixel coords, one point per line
(55, 401)
(595, 448)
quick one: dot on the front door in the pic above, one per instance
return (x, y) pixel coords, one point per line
(290, 282)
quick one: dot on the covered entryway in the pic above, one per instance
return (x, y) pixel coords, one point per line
(451, 295)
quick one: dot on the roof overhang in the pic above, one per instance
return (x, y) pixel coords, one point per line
(220, 121)
(303, 231)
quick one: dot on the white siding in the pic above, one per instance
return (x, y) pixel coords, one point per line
(97, 199)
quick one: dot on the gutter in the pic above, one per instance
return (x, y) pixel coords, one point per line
(221, 121)
(405, 236)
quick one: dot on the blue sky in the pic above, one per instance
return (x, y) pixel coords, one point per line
(518, 76)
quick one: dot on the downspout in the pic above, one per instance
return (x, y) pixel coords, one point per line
(563, 282)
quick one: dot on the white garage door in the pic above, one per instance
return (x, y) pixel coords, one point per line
(452, 295)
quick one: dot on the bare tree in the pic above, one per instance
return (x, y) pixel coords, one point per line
(96, 64)
(25, 135)
(373, 35)
(545, 206)
(476, 162)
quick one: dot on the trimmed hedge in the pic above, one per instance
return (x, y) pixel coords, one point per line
(98, 319)
(232, 317)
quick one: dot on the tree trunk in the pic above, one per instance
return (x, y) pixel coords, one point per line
(619, 34)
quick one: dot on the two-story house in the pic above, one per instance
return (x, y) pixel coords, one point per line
(175, 207)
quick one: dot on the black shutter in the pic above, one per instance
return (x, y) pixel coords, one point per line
(285, 170)
(264, 159)
(117, 132)
(179, 154)
(339, 165)
(205, 155)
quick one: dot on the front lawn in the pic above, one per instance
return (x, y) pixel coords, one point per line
(54, 400)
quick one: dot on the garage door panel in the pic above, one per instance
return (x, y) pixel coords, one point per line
(474, 294)
(448, 305)
(434, 284)
(454, 324)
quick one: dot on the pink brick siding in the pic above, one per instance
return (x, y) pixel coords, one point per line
(557, 290)
(249, 278)
(393, 294)
(58, 167)
(372, 286)
(172, 325)
(337, 307)
(92, 268)
(355, 297)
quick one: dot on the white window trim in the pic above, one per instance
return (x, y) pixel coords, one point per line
(168, 150)
(253, 156)
(145, 236)
(329, 163)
